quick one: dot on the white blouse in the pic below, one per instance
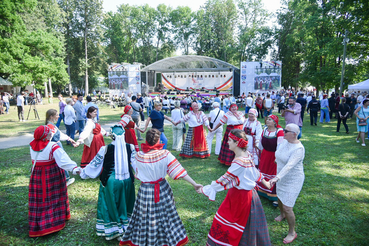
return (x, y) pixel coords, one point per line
(233, 119)
(156, 164)
(242, 175)
(195, 120)
(53, 151)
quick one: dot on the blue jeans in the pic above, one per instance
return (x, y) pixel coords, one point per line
(70, 131)
(81, 126)
(7, 106)
(148, 110)
(247, 109)
(267, 113)
(164, 140)
(61, 117)
(324, 111)
(300, 135)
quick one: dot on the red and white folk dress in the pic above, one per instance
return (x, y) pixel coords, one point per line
(48, 196)
(240, 219)
(130, 134)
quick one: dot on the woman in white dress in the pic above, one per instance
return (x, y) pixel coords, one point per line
(290, 177)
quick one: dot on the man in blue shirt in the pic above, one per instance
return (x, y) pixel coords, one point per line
(88, 105)
(78, 107)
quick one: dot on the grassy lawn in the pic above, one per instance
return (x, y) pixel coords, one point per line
(332, 209)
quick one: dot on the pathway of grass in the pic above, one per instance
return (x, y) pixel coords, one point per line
(332, 209)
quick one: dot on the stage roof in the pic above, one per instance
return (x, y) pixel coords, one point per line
(189, 63)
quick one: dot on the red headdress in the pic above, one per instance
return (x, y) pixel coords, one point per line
(242, 143)
(126, 110)
(233, 105)
(40, 142)
(275, 119)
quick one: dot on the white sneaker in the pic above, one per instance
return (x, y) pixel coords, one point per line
(70, 181)
(357, 141)
(363, 145)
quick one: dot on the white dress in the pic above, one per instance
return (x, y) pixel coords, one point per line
(290, 171)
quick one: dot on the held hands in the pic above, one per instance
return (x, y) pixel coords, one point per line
(77, 170)
(198, 188)
(272, 182)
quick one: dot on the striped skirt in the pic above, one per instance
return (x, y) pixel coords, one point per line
(187, 150)
(48, 200)
(155, 224)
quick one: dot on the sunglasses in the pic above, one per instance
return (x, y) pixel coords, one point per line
(287, 131)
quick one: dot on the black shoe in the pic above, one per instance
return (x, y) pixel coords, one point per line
(315, 124)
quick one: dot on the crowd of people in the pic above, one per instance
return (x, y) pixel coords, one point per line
(263, 159)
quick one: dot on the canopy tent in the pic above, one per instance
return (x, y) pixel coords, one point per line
(360, 86)
(5, 82)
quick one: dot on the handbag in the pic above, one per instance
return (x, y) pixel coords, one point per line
(362, 122)
(212, 124)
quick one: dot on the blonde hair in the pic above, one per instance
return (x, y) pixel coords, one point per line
(49, 114)
(157, 103)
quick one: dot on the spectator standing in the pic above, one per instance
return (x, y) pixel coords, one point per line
(362, 113)
(78, 107)
(62, 105)
(140, 101)
(20, 106)
(259, 106)
(332, 106)
(249, 102)
(6, 102)
(281, 102)
(148, 105)
(87, 106)
(70, 118)
(325, 109)
(292, 114)
(226, 104)
(352, 104)
(166, 104)
(313, 109)
(302, 101)
(343, 112)
(136, 116)
(268, 105)
(177, 115)
(214, 119)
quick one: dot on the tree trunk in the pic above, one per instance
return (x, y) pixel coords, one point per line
(86, 61)
(46, 93)
(70, 79)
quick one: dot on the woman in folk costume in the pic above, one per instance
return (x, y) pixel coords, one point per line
(240, 219)
(271, 137)
(195, 144)
(48, 196)
(129, 127)
(234, 120)
(92, 137)
(117, 190)
(253, 129)
(155, 220)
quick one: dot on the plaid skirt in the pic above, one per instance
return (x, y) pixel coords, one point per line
(47, 200)
(256, 230)
(153, 223)
(187, 150)
(226, 155)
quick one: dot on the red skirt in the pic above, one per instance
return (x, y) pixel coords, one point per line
(226, 155)
(90, 152)
(230, 221)
(268, 168)
(130, 135)
(47, 200)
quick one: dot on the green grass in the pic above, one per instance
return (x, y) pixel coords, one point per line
(332, 209)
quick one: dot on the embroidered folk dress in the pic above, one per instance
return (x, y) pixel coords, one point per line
(116, 197)
(92, 136)
(155, 220)
(240, 219)
(195, 144)
(267, 165)
(129, 126)
(48, 196)
(233, 121)
(290, 171)
(253, 132)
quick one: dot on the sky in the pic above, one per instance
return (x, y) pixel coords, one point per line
(111, 5)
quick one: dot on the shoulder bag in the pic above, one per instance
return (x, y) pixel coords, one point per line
(212, 124)
(362, 122)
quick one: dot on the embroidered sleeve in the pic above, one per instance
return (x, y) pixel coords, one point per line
(124, 121)
(62, 159)
(186, 117)
(93, 169)
(175, 169)
(224, 119)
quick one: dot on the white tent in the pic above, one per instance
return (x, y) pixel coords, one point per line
(360, 86)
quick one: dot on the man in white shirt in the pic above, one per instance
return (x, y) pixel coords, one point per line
(20, 106)
(214, 118)
(249, 103)
(6, 101)
(148, 104)
(268, 105)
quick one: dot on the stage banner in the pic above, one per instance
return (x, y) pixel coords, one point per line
(260, 77)
(134, 79)
(221, 81)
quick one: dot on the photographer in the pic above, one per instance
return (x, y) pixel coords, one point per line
(292, 114)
